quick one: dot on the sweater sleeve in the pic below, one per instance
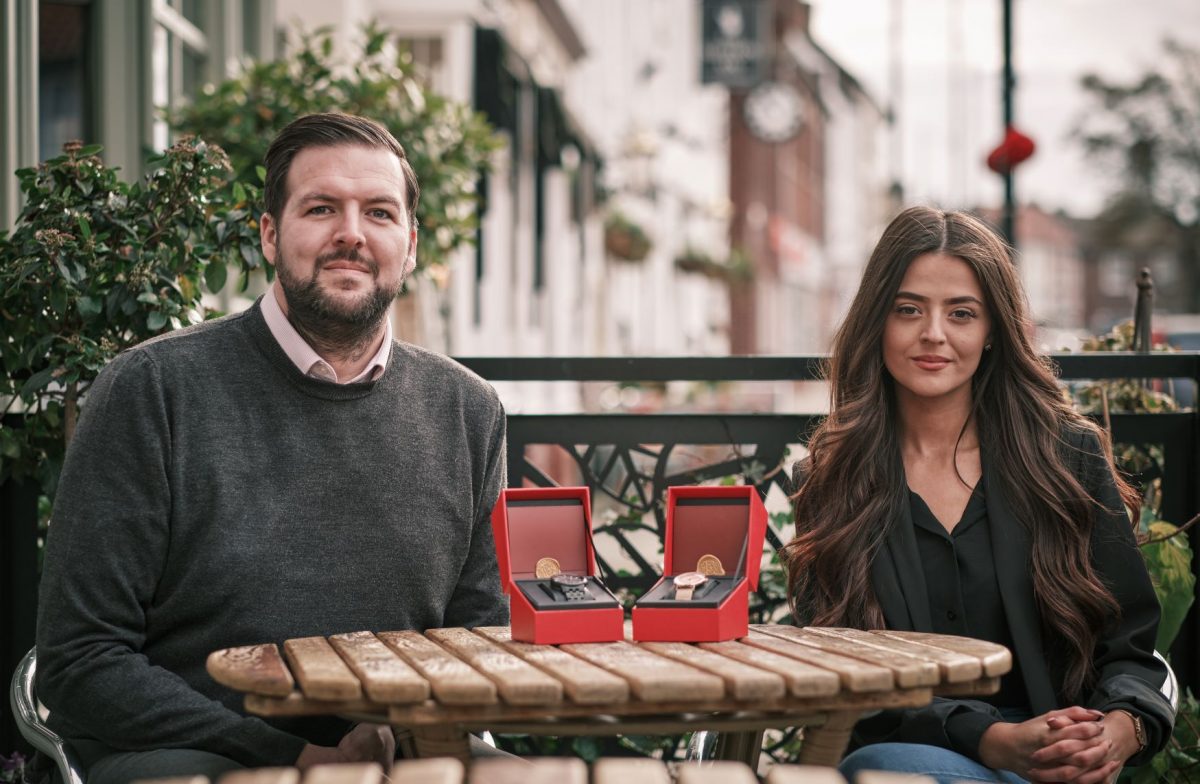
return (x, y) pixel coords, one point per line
(105, 552)
(477, 599)
(1129, 676)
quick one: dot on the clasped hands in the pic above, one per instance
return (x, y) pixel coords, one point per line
(364, 743)
(1076, 745)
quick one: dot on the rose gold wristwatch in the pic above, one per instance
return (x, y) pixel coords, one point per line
(687, 583)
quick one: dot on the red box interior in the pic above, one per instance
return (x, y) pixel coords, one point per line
(718, 529)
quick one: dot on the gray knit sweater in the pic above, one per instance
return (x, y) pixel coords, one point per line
(215, 496)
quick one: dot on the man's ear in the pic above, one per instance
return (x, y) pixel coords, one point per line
(410, 263)
(268, 233)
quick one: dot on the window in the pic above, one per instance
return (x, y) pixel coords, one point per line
(179, 55)
(64, 94)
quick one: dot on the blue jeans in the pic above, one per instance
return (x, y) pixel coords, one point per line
(944, 765)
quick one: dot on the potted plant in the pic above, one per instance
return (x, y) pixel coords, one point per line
(624, 239)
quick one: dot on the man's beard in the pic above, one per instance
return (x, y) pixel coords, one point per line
(326, 322)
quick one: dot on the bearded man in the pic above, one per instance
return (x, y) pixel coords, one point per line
(283, 472)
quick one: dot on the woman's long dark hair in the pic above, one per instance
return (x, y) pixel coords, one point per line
(855, 484)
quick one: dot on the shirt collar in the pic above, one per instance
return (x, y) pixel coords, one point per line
(303, 355)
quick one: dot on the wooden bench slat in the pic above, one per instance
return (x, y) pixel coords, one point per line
(320, 671)
(384, 675)
(954, 666)
(856, 675)
(801, 679)
(261, 776)
(717, 773)
(438, 770)
(345, 773)
(621, 770)
(652, 678)
(173, 780)
(453, 681)
(996, 659)
(257, 669)
(908, 671)
(547, 770)
(804, 774)
(518, 682)
(742, 681)
(584, 682)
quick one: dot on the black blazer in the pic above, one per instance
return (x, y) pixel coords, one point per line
(1128, 674)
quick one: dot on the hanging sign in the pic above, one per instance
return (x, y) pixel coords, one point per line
(734, 49)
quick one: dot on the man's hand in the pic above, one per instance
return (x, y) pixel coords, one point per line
(364, 743)
(1100, 762)
(1007, 746)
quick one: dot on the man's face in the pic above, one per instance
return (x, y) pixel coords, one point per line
(343, 243)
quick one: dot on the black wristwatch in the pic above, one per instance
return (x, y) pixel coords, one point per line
(572, 586)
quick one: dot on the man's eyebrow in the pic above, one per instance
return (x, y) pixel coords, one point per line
(950, 301)
(328, 197)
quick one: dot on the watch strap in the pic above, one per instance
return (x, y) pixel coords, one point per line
(683, 593)
(1139, 729)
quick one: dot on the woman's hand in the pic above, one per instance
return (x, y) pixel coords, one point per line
(364, 743)
(1007, 746)
(1067, 760)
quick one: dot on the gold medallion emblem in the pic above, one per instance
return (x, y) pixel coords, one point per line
(546, 568)
(710, 565)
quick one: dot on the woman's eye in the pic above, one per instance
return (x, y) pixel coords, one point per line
(963, 313)
(907, 310)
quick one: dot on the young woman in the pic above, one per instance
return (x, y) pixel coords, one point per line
(954, 489)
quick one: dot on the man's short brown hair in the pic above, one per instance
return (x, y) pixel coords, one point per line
(330, 129)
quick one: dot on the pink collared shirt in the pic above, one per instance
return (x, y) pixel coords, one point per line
(305, 358)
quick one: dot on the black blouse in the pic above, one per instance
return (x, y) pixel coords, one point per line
(960, 577)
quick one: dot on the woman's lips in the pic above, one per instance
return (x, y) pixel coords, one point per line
(929, 362)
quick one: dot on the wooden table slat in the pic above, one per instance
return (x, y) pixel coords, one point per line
(856, 675)
(887, 777)
(996, 659)
(439, 770)
(321, 673)
(742, 681)
(296, 704)
(384, 675)
(629, 770)
(345, 773)
(716, 773)
(909, 672)
(802, 680)
(518, 682)
(261, 776)
(584, 682)
(453, 681)
(547, 770)
(652, 678)
(802, 774)
(955, 667)
(258, 669)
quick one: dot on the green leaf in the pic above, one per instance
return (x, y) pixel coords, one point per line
(214, 276)
(84, 228)
(261, 171)
(91, 149)
(1170, 565)
(239, 193)
(90, 307)
(37, 381)
(156, 321)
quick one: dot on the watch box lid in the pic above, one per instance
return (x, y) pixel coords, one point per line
(531, 523)
(729, 522)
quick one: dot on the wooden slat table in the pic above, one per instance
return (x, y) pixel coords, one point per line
(437, 686)
(621, 770)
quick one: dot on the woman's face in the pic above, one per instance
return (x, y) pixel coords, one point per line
(936, 331)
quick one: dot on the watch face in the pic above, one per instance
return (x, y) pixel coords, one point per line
(774, 111)
(568, 579)
(690, 580)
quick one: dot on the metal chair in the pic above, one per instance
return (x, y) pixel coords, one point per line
(702, 746)
(30, 716)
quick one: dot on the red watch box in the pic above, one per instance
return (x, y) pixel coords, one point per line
(728, 522)
(532, 523)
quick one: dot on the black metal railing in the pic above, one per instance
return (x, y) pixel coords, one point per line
(630, 459)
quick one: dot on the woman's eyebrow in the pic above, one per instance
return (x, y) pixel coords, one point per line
(966, 298)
